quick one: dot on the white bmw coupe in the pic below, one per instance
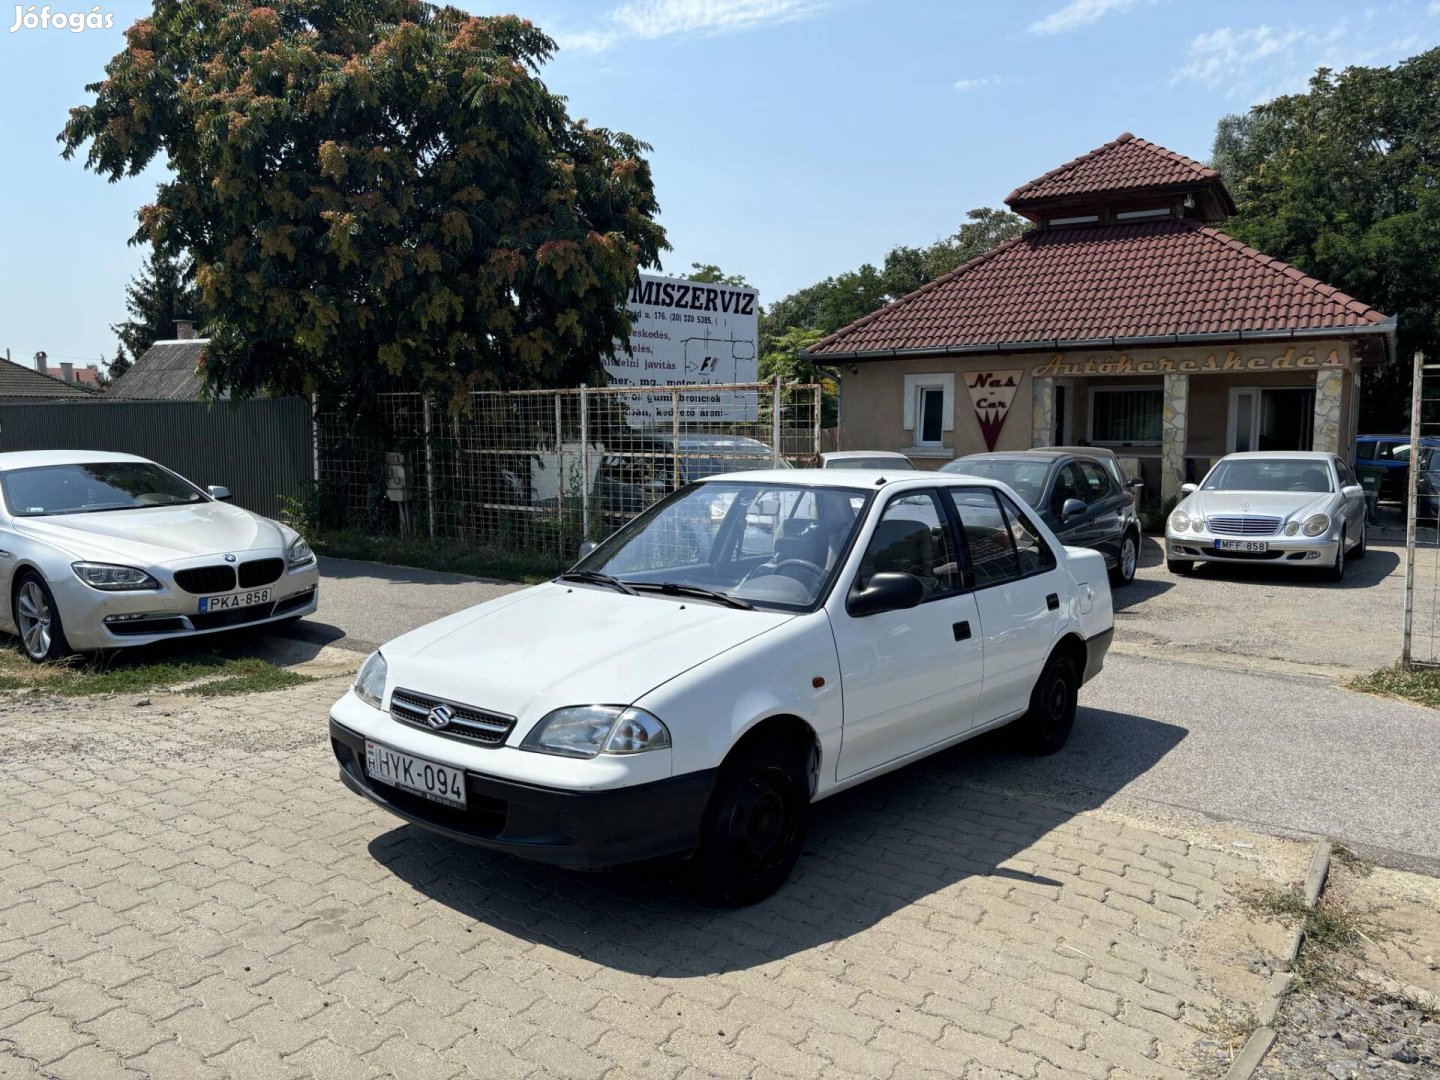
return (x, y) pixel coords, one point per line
(100, 551)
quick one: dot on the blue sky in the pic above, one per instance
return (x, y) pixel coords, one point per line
(793, 138)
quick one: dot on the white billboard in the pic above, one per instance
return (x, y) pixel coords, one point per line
(684, 333)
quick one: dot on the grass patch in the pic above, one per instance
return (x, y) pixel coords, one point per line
(206, 674)
(1334, 932)
(450, 556)
(1420, 685)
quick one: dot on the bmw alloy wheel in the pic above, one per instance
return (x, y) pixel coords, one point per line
(33, 617)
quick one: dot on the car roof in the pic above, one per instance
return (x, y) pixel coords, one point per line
(852, 478)
(1425, 440)
(30, 459)
(1286, 455)
(847, 455)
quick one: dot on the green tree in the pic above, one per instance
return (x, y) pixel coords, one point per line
(785, 358)
(713, 275)
(908, 268)
(375, 192)
(156, 296)
(1343, 181)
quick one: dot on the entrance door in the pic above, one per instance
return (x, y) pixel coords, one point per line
(1265, 418)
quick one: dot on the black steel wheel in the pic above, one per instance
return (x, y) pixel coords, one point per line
(1045, 728)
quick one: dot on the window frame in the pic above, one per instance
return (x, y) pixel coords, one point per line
(957, 526)
(921, 393)
(1128, 389)
(957, 548)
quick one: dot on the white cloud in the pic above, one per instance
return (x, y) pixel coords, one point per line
(647, 20)
(1433, 7)
(1080, 13)
(976, 83)
(1221, 55)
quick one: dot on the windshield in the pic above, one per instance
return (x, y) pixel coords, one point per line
(1269, 474)
(87, 489)
(1026, 477)
(772, 545)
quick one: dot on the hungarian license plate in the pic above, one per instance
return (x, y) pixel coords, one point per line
(439, 783)
(1242, 545)
(230, 601)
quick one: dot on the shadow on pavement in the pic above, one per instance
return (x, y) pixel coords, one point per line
(391, 574)
(1378, 564)
(872, 851)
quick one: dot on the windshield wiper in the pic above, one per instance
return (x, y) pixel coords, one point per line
(594, 577)
(675, 588)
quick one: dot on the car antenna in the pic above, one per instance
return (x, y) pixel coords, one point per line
(882, 480)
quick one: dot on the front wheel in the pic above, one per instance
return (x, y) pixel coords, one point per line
(1045, 728)
(754, 826)
(1126, 561)
(1337, 571)
(37, 620)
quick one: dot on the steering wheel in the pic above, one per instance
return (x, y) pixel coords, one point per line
(803, 564)
(1299, 485)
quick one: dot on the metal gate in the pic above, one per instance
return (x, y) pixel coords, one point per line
(1421, 642)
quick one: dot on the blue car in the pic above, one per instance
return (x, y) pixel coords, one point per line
(1392, 453)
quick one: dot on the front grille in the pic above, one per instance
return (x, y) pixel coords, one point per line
(259, 572)
(204, 580)
(467, 723)
(1244, 526)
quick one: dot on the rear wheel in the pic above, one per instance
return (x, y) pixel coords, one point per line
(1045, 728)
(754, 826)
(1179, 566)
(1126, 561)
(37, 619)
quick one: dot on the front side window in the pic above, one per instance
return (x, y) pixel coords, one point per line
(1127, 417)
(1069, 484)
(95, 487)
(769, 545)
(913, 537)
(1097, 482)
(988, 538)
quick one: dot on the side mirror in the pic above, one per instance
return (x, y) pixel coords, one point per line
(1353, 491)
(1189, 489)
(1071, 509)
(586, 546)
(1135, 482)
(219, 491)
(886, 592)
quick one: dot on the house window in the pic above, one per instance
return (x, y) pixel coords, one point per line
(1078, 219)
(1128, 416)
(929, 412)
(1141, 215)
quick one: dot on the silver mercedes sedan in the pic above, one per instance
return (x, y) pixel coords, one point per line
(101, 550)
(1294, 509)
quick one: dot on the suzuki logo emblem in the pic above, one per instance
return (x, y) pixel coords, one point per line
(439, 717)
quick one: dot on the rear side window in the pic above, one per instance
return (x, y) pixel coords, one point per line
(1034, 555)
(987, 536)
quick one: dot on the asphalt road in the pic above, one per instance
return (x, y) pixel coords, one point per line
(1207, 705)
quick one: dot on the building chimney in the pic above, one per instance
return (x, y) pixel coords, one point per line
(40, 359)
(184, 329)
(67, 371)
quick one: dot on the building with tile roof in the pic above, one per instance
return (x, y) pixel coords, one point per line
(1125, 318)
(27, 384)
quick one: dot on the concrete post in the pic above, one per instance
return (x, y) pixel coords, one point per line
(1329, 392)
(1173, 435)
(1042, 412)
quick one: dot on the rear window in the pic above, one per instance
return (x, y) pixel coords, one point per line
(89, 489)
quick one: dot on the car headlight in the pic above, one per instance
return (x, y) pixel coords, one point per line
(300, 553)
(582, 731)
(370, 681)
(1180, 521)
(1291, 528)
(111, 578)
(1315, 524)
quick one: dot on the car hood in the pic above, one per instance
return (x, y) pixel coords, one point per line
(152, 535)
(1281, 504)
(555, 645)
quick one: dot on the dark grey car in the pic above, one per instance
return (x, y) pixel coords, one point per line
(1082, 497)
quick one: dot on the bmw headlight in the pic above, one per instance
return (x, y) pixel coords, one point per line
(111, 578)
(300, 553)
(582, 731)
(1179, 521)
(1315, 524)
(370, 682)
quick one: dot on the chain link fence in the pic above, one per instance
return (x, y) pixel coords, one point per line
(541, 470)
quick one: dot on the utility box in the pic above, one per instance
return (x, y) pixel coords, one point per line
(399, 476)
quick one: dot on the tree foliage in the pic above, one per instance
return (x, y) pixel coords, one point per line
(713, 275)
(157, 295)
(373, 191)
(1343, 181)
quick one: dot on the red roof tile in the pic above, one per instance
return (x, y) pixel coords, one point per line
(1123, 164)
(1150, 279)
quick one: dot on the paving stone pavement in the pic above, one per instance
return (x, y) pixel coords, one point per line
(186, 891)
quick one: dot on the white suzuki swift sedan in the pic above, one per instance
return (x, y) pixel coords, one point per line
(748, 645)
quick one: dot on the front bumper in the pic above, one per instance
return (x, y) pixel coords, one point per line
(96, 620)
(574, 829)
(1292, 551)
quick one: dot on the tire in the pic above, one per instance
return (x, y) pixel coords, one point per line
(1126, 561)
(37, 619)
(1337, 571)
(754, 826)
(1359, 552)
(1045, 728)
(1179, 566)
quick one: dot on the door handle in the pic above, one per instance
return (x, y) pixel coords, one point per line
(1052, 602)
(962, 631)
